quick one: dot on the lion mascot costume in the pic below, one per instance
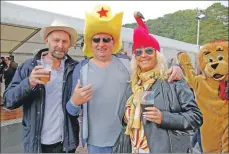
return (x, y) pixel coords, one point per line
(211, 90)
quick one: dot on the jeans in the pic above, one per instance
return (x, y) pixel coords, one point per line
(197, 138)
(96, 149)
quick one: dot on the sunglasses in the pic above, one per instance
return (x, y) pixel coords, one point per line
(148, 51)
(98, 39)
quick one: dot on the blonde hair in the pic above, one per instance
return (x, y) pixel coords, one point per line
(161, 65)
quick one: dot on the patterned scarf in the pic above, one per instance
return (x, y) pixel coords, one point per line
(133, 112)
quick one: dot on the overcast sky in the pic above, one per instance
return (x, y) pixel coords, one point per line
(150, 9)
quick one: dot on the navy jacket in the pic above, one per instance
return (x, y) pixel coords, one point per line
(33, 101)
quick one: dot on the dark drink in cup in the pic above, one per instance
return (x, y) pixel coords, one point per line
(146, 99)
(143, 106)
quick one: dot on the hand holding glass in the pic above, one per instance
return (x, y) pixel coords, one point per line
(146, 99)
(47, 64)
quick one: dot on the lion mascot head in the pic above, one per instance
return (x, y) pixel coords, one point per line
(213, 60)
(213, 63)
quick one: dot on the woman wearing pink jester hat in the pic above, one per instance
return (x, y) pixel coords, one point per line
(174, 115)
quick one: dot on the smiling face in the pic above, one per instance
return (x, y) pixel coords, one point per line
(146, 58)
(58, 43)
(213, 60)
(102, 46)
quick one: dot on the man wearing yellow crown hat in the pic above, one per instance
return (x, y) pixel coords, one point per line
(100, 83)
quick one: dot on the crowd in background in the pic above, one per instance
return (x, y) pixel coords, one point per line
(7, 69)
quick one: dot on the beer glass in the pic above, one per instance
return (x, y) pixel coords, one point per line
(146, 99)
(47, 64)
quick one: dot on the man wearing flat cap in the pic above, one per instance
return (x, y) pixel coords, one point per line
(47, 127)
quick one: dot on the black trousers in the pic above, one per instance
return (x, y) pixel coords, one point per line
(55, 148)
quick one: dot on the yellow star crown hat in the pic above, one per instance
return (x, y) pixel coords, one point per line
(101, 20)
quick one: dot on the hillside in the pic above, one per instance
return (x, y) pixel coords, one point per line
(182, 25)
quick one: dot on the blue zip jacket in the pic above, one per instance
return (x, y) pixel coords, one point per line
(80, 72)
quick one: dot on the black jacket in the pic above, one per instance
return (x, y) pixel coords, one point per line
(33, 101)
(180, 118)
(8, 75)
(2, 66)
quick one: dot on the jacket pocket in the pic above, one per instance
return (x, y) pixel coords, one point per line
(25, 136)
(187, 132)
(179, 142)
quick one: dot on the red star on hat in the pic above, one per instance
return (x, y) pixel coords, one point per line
(102, 13)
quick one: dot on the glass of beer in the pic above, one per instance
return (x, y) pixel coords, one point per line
(47, 64)
(146, 99)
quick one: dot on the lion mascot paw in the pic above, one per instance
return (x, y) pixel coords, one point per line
(184, 58)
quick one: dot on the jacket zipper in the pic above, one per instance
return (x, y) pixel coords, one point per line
(63, 110)
(166, 108)
(66, 72)
(40, 121)
(171, 147)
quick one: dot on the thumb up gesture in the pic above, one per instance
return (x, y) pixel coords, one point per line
(80, 94)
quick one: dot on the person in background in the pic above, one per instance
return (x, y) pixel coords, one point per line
(2, 66)
(196, 138)
(9, 71)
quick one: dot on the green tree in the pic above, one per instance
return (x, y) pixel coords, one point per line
(182, 25)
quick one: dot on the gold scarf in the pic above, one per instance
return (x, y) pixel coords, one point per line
(142, 82)
(145, 81)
